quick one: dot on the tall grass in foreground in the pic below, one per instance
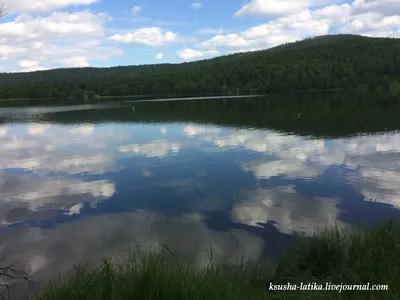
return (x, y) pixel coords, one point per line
(348, 256)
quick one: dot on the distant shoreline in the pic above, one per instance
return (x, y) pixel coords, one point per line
(184, 96)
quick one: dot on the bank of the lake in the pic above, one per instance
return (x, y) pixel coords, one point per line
(333, 256)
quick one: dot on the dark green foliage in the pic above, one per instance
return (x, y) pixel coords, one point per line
(328, 62)
(350, 256)
(315, 114)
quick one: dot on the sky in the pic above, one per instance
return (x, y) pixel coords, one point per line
(46, 34)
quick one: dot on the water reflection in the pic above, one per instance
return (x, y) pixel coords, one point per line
(290, 212)
(50, 251)
(155, 149)
(71, 189)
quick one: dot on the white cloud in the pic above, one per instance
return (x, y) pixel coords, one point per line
(279, 31)
(28, 64)
(264, 8)
(272, 7)
(373, 24)
(196, 5)
(160, 56)
(151, 36)
(385, 7)
(40, 6)
(75, 61)
(336, 14)
(295, 20)
(136, 9)
(32, 69)
(66, 39)
(189, 54)
(56, 25)
(77, 38)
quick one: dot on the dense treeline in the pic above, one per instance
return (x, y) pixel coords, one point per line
(328, 62)
(317, 114)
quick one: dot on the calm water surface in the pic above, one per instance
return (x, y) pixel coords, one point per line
(242, 176)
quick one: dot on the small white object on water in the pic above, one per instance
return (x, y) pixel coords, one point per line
(298, 115)
(133, 108)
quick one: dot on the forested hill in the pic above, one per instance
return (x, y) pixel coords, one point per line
(326, 62)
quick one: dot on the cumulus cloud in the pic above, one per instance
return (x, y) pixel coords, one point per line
(190, 54)
(18, 6)
(272, 7)
(26, 28)
(373, 24)
(160, 56)
(282, 30)
(151, 36)
(295, 20)
(265, 8)
(385, 7)
(37, 42)
(66, 39)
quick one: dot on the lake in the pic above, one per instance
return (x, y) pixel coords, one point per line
(242, 176)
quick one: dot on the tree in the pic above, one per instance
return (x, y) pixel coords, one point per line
(3, 10)
(320, 63)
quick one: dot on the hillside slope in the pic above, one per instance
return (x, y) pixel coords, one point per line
(327, 62)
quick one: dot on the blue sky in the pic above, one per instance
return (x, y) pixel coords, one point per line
(42, 34)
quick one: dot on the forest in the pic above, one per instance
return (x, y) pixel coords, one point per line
(325, 62)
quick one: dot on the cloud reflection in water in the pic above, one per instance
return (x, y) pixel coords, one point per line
(48, 170)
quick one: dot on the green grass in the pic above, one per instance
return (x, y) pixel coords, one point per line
(335, 255)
